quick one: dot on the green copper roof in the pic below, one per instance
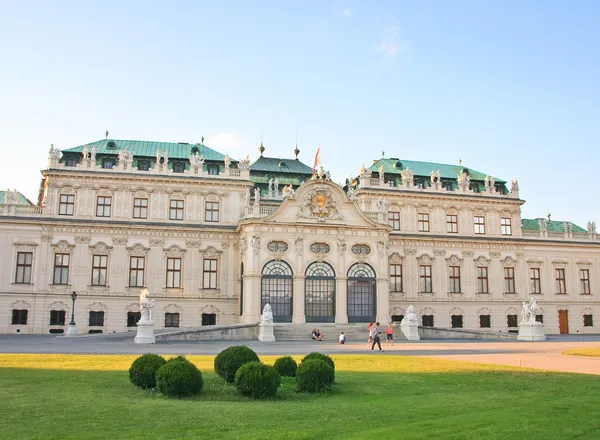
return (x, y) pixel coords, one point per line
(394, 166)
(176, 150)
(277, 165)
(22, 200)
(552, 225)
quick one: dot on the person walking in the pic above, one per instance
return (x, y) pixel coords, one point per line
(389, 334)
(370, 330)
(375, 337)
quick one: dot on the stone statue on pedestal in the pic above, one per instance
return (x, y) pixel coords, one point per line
(267, 314)
(266, 325)
(145, 326)
(146, 306)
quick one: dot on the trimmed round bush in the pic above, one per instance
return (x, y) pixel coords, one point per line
(314, 375)
(142, 372)
(322, 357)
(257, 380)
(179, 378)
(286, 366)
(231, 359)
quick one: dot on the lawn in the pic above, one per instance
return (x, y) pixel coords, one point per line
(592, 352)
(379, 397)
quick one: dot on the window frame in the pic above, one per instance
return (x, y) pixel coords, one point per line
(94, 317)
(211, 214)
(423, 222)
(509, 280)
(24, 270)
(19, 315)
(176, 208)
(535, 280)
(141, 208)
(479, 224)
(173, 279)
(452, 223)
(58, 317)
(584, 278)
(483, 285)
(62, 268)
(505, 226)
(425, 278)
(67, 205)
(588, 320)
(560, 276)
(396, 284)
(135, 271)
(103, 206)
(170, 319)
(210, 273)
(99, 269)
(394, 220)
(485, 321)
(454, 279)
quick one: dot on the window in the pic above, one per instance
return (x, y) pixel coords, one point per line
(99, 270)
(107, 164)
(535, 280)
(66, 204)
(509, 280)
(395, 277)
(454, 279)
(427, 320)
(425, 275)
(584, 275)
(213, 170)
(456, 321)
(176, 210)
(209, 280)
(174, 272)
(103, 205)
(320, 248)
(361, 249)
(485, 321)
(23, 275)
(211, 211)
(133, 318)
(178, 167)
(143, 165)
(19, 317)
(511, 321)
(452, 224)
(279, 246)
(57, 317)
(394, 220)
(209, 319)
(588, 320)
(423, 222)
(71, 162)
(171, 319)
(61, 269)
(96, 319)
(505, 226)
(561, 287)
(482, 280)
(136, 271)
(479, 223)
(140, 208)
(397, 319)
(539, 318)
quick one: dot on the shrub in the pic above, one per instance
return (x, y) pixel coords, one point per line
(179, 378)
(323, 357)
(286, 366)
(229, 360)
(142, 372)
(257, 380)
(314, 375)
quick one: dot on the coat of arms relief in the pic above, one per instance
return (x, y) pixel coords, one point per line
(319, 205)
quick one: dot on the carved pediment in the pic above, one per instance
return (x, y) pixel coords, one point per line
(100, 248)
(482, 261)
(396, 258)
(97, 307)
(210, 252)
(319, 205)
(63, 246)
(453, 260)
(138, 250)
(508, 262)
(20, 305)
(174, 251)
(425, 259)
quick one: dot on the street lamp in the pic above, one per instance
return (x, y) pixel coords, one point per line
(72, 330)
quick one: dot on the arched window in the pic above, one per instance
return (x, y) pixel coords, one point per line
(361, 293)
(319, 293)
(276, 290)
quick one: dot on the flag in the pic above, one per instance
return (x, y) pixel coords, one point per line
(317, 159)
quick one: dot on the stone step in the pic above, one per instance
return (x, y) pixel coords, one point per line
(331, 332)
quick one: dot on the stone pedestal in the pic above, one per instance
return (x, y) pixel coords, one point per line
(71, 331)
(410, 330)
(265, 333)
(145, 333)
(531, 331)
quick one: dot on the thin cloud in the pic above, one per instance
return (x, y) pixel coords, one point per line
(227, 143)
(391, 44)
(346, 12)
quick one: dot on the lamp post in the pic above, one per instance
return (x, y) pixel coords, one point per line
(72, 330)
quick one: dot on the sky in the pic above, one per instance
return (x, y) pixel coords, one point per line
(509, 87)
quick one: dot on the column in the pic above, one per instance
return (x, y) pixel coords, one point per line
(341, 301)
(383, 300)
(252, 287)
(298, 314)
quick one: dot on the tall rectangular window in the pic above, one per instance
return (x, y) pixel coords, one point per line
(19, 317)
(140, 208)
(479, 224)
(103, 206)
(505, 226)
(395, 277)
(171, 319)
(136, 271)
(176, 210)
(66, 204)
(509, 280)
(61, 269)
(209, 278)
(99, 269)
(174, 272)
(211, 213)
(561, 281)
(482, 280)
(425, 275)
(584, 275)
(57, 317)
(454, 279)
(535, 280)
(24, 261)
(394, 220)
(423, 222)
(452, 224)
(96, 319)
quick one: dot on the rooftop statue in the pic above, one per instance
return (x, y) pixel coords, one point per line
(227, 161)
(256, 195)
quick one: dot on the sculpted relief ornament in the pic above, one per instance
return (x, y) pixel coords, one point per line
(319, 205)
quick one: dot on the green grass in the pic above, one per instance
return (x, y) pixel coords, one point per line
(383, 397)
(592, 352)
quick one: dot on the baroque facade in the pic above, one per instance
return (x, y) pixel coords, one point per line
(214, 239)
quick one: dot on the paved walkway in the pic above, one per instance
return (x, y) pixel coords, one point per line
(543, 355)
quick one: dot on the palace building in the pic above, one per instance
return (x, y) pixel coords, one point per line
(215, 239)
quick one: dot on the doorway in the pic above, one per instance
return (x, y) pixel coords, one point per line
(563, 322)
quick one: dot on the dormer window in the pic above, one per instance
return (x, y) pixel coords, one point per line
(70, 162)
(195, 150)
(282, 164)
(178, 167)
(111, 146)
(107, 164)
(143, 165)
(213, 170)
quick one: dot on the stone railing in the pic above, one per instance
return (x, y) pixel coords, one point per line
(21, 210)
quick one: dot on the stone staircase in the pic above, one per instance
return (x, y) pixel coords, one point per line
(354, 332)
